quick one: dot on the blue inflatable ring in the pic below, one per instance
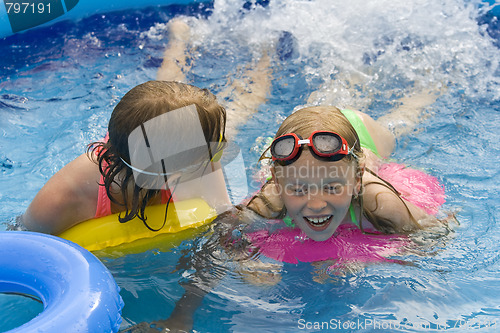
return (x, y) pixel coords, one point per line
(78, 292)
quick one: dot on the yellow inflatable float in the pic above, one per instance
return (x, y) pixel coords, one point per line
(109, 236)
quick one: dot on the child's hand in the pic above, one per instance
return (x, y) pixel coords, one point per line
(142, 328)
(260, 273)
(328, 270)
(177, 325)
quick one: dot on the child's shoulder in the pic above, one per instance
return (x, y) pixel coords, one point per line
(387, 206)
(80, 177)
(68, 197)
(267, 202)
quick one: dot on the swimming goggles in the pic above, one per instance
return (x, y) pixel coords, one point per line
(324, 145)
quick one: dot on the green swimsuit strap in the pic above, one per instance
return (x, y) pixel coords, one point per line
(365, 138)
(353, 216)
(289, 222)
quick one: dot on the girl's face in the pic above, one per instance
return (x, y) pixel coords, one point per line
(317, 194)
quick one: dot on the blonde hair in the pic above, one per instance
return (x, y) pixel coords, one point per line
(329, 118)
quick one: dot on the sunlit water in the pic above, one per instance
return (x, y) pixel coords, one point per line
(60, 84)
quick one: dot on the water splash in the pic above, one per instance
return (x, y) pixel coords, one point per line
(376, 47)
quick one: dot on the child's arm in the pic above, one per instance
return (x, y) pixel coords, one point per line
(395, 214)
(181, 318)
(69, 197)
(220, 248)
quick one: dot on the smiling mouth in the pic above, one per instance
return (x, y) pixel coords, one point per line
(319, 223)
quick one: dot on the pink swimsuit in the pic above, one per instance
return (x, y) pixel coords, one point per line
(104, 203)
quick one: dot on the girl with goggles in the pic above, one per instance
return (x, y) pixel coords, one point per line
(328, 186)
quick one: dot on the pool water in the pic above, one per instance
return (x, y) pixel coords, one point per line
(59, 85)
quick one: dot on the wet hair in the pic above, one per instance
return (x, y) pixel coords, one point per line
(142, 103)
(329, 118)
(323, 118)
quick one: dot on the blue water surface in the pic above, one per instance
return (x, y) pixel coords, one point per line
(58, 86)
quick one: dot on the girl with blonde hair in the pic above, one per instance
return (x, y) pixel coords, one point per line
(325, 174)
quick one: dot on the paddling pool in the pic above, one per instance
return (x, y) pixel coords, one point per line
(60, 82)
